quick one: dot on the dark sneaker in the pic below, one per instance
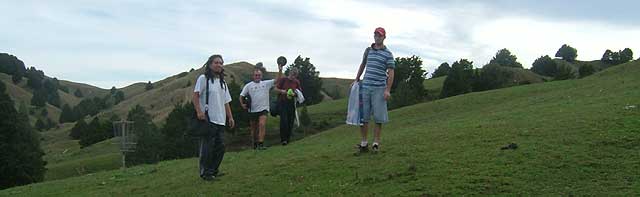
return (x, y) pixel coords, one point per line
(375, 148)
(361, 149)
(284, 143)
(261, 146)
(219, 174)
(208, 178)
(255, 145)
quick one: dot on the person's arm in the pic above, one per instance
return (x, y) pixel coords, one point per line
(278, 78)
(242, 104)
(196, 105)
(362, 65)
(196, 99)
(242, 94)
(387, 91)
(227, 108)
(277, 89)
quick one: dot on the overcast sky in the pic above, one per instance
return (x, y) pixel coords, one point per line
(116, 43)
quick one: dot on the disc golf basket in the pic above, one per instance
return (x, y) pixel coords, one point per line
(126, 139)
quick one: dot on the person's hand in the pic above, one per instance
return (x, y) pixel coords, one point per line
(200, 115)
(244, 106)
(232, 123)
(387, 95)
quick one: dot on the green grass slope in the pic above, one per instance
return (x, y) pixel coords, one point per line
(575, 137)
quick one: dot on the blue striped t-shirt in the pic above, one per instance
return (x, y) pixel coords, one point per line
(378, 61)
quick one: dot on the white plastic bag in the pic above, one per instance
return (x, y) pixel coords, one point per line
(353, 108)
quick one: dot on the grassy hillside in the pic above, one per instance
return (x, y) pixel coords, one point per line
(88, 91)
(66, 159)
(336, 88)
(574, 137)
(433, 86)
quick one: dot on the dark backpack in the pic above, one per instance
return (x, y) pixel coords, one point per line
(274, 108)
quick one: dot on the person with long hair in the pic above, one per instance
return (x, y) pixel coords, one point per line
(216, 111)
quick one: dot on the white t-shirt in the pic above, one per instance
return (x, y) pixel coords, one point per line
(259, 93)
(217, 98)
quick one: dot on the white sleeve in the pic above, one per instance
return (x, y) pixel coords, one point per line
(244, 90)
(271, 82)
(227, 96)
(200, 84)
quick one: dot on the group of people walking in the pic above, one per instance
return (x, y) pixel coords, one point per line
(211, 100)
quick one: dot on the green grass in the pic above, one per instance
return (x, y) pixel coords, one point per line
(575, 137)
(433, 86)
(66, 159)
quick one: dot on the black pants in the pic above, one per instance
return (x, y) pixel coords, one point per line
(287, 115)
(211, 150)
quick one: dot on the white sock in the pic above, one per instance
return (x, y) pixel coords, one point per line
(375, 143)
(364, 143)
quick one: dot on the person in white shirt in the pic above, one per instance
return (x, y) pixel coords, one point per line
(217, 112)
(258, 92)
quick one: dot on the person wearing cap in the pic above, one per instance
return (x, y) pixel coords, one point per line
(258, 108)
(375, 88)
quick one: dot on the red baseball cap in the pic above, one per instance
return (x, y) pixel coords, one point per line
(381, 31)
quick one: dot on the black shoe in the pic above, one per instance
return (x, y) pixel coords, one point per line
(284, 143)
(361, 149)
(219, 174)
(208, 178)
(255, 145)
(261, 146)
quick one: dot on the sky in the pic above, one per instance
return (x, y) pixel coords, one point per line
(117, 42)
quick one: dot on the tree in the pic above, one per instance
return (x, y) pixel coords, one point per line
(408, 87)
(240, 116)
(149, 140)
(305, 119)
(586, 70)
(51, 89)
(44, 112)
(113, 90)
(21, 160)
(492, 76)
(67, 114)
(616, 58)
(505, 58)
(626, 55)
(39, 97)
(459, 79)
(78, 93)
(149, 86)
(544, 66)
(607, 57)
(564, 72)
(309, 80)
(94, 133)
(78, 129)
(176, 144)
(13, 66)
(35, 78)
(50, 124)
(119, 97)
(442, 70)
(567, 53)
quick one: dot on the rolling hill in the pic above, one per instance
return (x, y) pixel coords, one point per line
(572, 137)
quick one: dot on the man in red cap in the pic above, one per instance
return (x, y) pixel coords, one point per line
(375, 88)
